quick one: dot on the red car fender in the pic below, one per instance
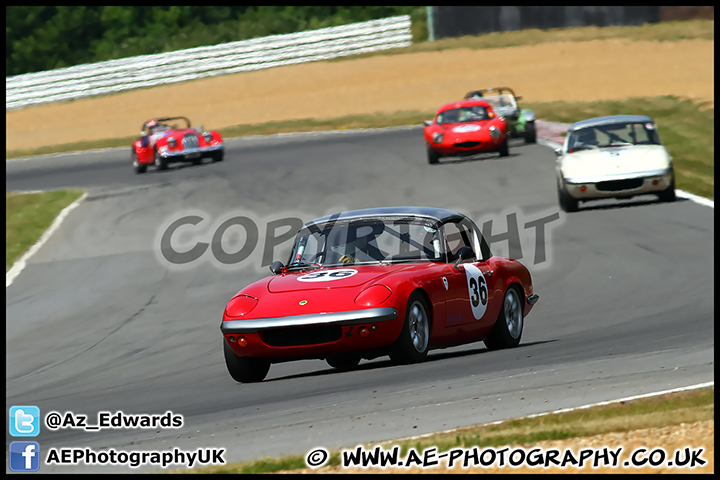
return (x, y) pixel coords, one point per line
(144, 154)
(515, 274)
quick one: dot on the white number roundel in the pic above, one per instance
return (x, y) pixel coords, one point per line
(477, 289)
(327, 275)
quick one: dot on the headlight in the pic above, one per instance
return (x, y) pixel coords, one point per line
(240, 305)
(437, 137)
(495, 132)
(372, 296)
(207, 136)
(172, 142)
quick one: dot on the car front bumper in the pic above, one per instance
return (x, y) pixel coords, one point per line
(190, 153)
(623, 185)
(313, 336)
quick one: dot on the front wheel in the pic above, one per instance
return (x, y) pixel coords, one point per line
(414, 341)
(432, 155)
(218, 156)
(160, 162)
(343, 362)
(509, 325)
(668, 195)
(504, 149)
(245, 369)
(567, 203)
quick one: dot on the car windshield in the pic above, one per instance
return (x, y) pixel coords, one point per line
(367, 241)
(501, 101)
(463, 114)
(613, 135)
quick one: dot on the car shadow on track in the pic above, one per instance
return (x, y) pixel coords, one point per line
(618, 204)
(474, 158)
(433, 356)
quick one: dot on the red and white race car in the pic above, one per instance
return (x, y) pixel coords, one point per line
(465, 128)
(394, 281)
(172, 139)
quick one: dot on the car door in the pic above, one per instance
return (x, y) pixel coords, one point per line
(471, 303)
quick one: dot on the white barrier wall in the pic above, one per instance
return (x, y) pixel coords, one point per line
(149, 70)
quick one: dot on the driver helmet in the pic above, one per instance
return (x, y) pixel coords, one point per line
(586, 136)
(152, 124)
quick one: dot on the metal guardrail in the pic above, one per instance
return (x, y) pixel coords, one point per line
(114, 76)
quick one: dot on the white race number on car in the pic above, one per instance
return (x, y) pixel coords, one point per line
(466, 128)
(477, 289)
(327, 275)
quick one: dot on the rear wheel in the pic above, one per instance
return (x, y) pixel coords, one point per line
(509, 325)
(245, 369)
(414, 340)
(530, 133)
(432, 155)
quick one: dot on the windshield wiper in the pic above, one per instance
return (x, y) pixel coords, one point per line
(302, 266)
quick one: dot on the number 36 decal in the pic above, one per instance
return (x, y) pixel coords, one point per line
(478, 290)
(327, 275)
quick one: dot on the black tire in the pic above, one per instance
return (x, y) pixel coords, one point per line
(530, 133)
(160, 162)
(196, 161)
(433, 156)
(245, 369)
(504, 150)
(218, 156)
(414, 341)
(668, 195)
(567, 203)
(509, 325)
(137, 166)
(343, 362)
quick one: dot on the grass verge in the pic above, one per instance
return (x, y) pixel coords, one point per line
(28, 215)
(667, 410)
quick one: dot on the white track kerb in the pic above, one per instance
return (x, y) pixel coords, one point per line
(20, 264)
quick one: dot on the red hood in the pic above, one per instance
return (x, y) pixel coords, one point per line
(336, 277)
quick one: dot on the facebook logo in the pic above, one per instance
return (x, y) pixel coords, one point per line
(24, 421)
(24, 456)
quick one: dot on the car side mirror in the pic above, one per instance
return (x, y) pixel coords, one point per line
(276, 267)
(518, 98)
(464, 253)
(427, 123)
(558, 151)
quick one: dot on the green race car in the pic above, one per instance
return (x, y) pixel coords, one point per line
(521, 121)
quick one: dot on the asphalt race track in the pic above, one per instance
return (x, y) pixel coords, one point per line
(97, 322)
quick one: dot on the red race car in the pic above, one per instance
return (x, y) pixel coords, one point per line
(394, 281)
(465, 128)
(172, 139)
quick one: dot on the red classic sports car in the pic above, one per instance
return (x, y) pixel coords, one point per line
(172, 139)
(394, 281)
(464, 128)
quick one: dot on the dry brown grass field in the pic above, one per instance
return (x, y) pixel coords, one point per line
(571, 71)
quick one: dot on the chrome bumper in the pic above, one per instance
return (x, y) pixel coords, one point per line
(355, 317)
(188, 152)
